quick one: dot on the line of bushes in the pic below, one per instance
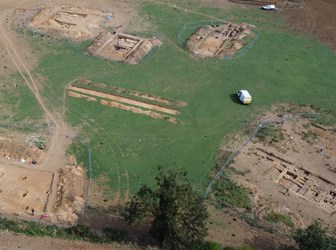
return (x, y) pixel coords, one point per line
(78, 232)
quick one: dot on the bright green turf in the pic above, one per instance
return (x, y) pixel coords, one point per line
(278, 68)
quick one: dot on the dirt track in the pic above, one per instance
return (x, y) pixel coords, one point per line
(57, 142)
(20, 60)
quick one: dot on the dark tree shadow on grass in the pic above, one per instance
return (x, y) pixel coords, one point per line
(100, 219)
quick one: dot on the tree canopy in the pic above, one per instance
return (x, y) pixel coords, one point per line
(314, 238)
(179, 214)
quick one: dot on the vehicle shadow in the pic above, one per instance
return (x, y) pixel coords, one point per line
(234, 98)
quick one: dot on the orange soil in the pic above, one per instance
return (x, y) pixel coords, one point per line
(137, 110)
(125, 100)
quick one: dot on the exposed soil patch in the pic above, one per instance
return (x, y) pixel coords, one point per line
(314, 17)
(297, 171)
(122, 47)
(23, 189)
(138, 111)
(73, 22)
(85, 97)
(158, 107)
(71, 191)
(220, 41)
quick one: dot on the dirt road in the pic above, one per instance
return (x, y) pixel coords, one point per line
(57, 141)
(55, 157)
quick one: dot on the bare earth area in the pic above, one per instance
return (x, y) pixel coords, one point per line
(219, 41)
(295, 176)
(73, 22)
(314, 17)
(122, 47)
(128, 100)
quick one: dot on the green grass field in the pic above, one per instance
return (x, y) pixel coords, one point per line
(129, 147)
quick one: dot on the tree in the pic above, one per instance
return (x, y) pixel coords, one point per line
(314, 238)
(179, 214)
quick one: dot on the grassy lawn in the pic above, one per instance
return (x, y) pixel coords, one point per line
(129, 147)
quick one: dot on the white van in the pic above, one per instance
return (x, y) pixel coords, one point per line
(268, 7)
(244, 96)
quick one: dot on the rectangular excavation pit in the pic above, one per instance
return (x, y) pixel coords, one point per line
(126, 100)
(122, 91)
(309, 187)
(122, 47)
(73, 22)
(220, 41)
(22, 189)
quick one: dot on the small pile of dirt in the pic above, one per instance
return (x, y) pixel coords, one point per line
(220, 41)
(297, 170)
(10, 150)
(122, 47)
(71, 189)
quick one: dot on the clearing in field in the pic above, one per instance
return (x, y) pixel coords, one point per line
(122, 47)
(72, 22)
(220, 41)
(23, 188)
(133, 101)
(296, 171)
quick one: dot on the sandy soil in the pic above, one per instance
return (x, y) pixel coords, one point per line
(22, 189)
(219, 41)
